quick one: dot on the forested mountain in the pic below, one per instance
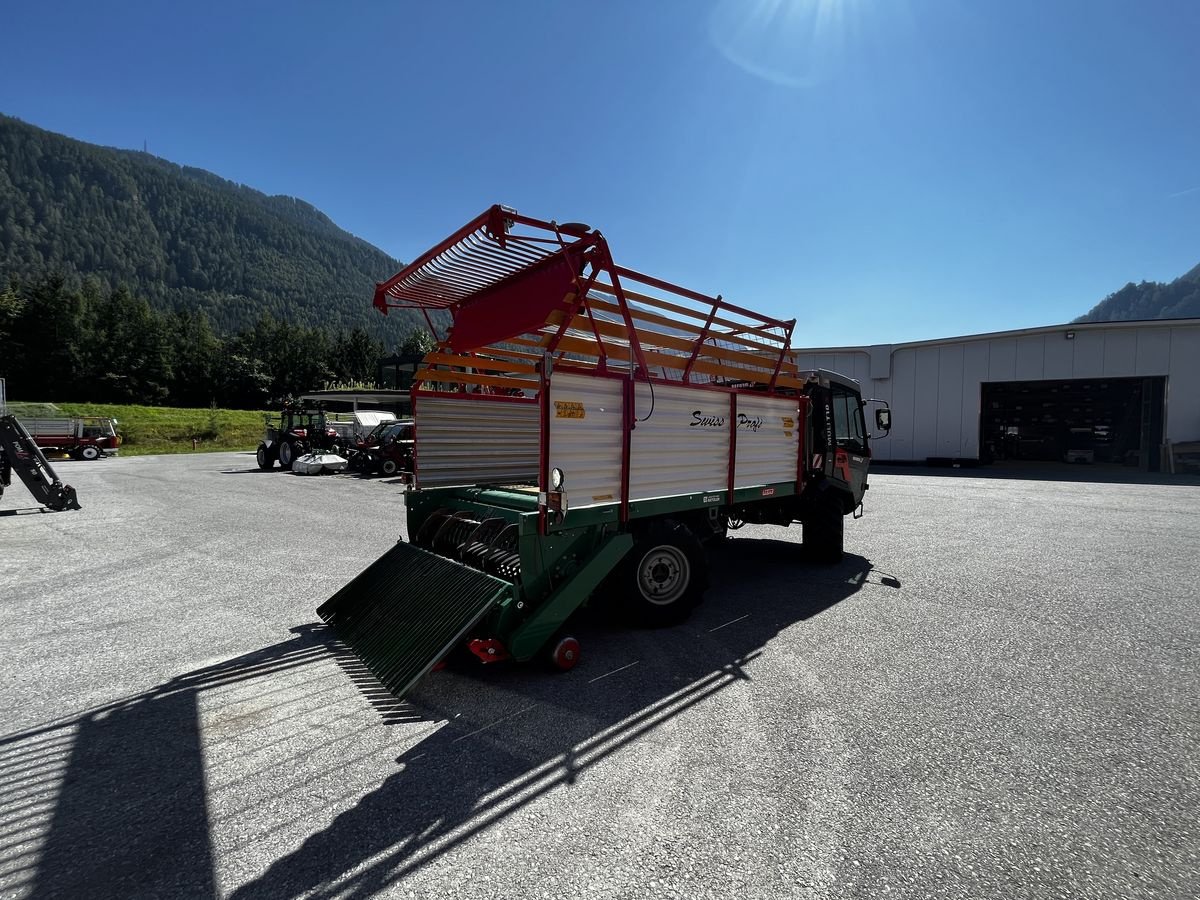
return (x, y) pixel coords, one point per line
(182, 238)
(1150, 300)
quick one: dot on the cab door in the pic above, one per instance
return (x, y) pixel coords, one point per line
(852, 456)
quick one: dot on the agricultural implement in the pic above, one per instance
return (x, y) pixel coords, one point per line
(20, 453)
(583, 430)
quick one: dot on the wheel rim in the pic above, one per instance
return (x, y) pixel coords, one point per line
(663, 574)
(566, 653)
(90, 452)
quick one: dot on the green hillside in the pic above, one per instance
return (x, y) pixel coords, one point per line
(182, 238)
(1179, 299)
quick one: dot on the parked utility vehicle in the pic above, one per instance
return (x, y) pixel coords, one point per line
(82, 437)
(298, 430)
(585, 429)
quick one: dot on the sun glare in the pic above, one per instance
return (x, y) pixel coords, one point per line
(793, 43)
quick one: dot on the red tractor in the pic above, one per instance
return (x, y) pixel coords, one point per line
(299, 430)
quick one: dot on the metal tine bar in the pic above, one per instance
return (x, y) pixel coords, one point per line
(483, 260)
(468, 277)
(480, 260)
(457, 271)
(511, 256)
(515, 244)
(429, 291)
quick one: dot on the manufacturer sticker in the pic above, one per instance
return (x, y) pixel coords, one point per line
(768, 492)
(789, 422)
(569, 409)
(712, 498)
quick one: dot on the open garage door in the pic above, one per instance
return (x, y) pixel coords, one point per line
(1106, 421)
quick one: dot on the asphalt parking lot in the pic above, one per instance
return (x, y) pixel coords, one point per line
(995, 695)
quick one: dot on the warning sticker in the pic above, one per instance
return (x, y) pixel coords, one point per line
(569, 409)
(789, 422)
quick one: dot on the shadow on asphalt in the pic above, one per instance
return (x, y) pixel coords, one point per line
(518, 733)
(1092, 474)
(130, 820)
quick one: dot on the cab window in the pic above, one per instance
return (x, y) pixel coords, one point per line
(848, 420)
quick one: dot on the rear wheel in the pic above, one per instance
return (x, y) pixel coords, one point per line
(824, 529)
(664, 575)
(264, 458)
(287, 454)
(389, 467)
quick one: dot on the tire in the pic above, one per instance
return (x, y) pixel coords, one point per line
(824, 530)
(264, 457)
(389, 467)
(563, 654)
(287, 454)
(664, 576)
(89, 452)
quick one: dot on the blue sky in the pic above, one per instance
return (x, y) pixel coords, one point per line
(881, 170)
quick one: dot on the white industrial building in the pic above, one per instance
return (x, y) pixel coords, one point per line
(1123, 388)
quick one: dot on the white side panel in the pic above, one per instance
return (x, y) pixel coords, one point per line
(464, 442)
(904, 380)
(1087, 356)
(1059, 360)
(949, 401)
(585, 438)
(1183, 385)
(767, 437)
(682, 446)
(976, 359)
(1031, 358)
(925, 411)
(1153, 351)
(1120, 353)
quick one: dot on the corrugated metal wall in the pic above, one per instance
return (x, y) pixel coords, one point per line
(681, 442)
(934, 390)
(766, 441)
(475, 441)
(585, 438)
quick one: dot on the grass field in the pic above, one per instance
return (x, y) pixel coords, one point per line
(165, 429)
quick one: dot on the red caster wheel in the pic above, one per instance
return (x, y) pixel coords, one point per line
(565, 654)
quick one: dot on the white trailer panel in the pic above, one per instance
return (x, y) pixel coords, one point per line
(680, 444)
(767, 440)
(586, 438)
(475, 441)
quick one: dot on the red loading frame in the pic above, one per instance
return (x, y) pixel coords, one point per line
(504, 275)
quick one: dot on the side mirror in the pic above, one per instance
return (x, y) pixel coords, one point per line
(883, 419)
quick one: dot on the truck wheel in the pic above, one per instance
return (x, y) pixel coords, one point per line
(89, 452)
(287, 454)
(664, 575)
(389, 467)
(265, 459)
(824, 529)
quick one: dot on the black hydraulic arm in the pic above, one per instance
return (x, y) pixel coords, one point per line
(19, 453)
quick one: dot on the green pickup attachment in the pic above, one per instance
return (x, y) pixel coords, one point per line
(407, 609)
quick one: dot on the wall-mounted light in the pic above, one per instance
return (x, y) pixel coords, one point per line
(1070, 335)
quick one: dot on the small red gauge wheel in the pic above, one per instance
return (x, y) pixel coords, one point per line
(565, 654)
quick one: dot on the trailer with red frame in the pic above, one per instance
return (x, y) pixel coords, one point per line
(81, 437)
(584, 430)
